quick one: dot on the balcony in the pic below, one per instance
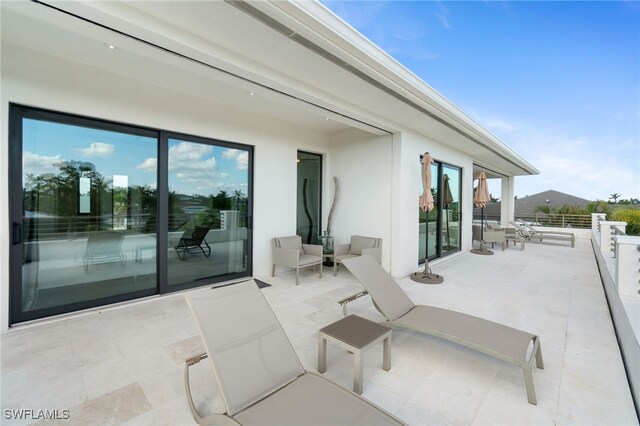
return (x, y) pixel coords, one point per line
(124, 365)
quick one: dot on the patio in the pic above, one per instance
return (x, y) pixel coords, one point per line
(124, 365)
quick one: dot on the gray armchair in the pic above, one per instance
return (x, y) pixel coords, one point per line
(490, 236)
(359, 246)
(290, 252)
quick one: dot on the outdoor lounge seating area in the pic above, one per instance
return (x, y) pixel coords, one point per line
(125, 365)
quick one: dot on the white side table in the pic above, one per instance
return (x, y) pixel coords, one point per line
(357, 334)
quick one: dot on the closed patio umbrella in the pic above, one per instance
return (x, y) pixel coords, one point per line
(426, 204)
(480, 199)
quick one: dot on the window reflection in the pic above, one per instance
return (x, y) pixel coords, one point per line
(86, 212)
(208, 211)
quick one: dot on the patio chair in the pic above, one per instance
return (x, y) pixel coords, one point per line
(290, 252)
(490, 235)
(191, 242)
(104, 247)
(500, 341)
(359, 246)
(259, 374)
(528, 232)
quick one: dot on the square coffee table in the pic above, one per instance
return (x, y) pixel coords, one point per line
(357, 334)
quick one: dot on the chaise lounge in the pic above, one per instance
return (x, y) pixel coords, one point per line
(528, 232)
(260, 376)
(500, 341)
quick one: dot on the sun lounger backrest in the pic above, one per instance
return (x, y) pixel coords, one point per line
(383, 289)
(249, 350)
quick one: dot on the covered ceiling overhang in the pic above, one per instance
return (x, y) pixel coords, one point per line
(294, 61)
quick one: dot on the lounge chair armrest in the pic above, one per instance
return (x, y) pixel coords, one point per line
(286, 257)
(340, 249)
(312, 249)
(212, 419)
(375, 252)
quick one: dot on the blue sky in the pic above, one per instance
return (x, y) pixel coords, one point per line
(559, 82)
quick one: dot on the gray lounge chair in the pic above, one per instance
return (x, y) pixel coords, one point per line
(260, 376)
(528, 232)
(505, 343)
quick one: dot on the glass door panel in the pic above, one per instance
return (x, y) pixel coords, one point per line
(208, 211)
(309, 197)
(451, 179)
(88, 217)
(439, 230)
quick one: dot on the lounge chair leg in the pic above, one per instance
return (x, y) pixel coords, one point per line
(322, 354)
(539, 362)
(335, 267)
(528, 382)
(386, 354)
(273, 270)
(320, 270)
(297, 276)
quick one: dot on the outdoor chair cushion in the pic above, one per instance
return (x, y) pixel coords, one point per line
(359, 242)
(294, 242)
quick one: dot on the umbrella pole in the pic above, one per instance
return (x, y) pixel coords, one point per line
(482, 250)
(426, 276)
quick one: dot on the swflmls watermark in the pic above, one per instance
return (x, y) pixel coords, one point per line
(31, 414)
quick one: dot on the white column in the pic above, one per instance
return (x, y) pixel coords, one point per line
(507, 201)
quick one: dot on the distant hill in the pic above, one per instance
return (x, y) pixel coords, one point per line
(551, 198)
(527, 205)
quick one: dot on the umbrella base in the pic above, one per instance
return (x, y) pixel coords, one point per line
(429, 278)
(482, 251)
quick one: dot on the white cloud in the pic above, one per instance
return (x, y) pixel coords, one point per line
(499, 125)
(39, 164)
(241, 157)
(148, 165)
(443, 15)
(409, 30)
(98, 149)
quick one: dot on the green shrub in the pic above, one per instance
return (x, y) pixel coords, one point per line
(631, 216)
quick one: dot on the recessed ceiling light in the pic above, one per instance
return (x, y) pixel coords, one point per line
(110, 46)
(326, 118)
(251, 93)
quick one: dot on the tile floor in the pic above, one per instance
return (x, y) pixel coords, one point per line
(124, 365)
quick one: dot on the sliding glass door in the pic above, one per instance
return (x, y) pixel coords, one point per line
(439, 229)
(103, 212)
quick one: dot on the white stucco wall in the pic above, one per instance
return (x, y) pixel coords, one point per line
(407, 188)
(35, 79)
(363, 165)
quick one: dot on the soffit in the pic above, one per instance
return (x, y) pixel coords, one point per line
(285, 70)
(46, 30)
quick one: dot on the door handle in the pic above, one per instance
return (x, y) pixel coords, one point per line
(17, 233)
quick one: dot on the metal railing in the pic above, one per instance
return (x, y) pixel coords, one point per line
(554, 220)
(615, 231)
